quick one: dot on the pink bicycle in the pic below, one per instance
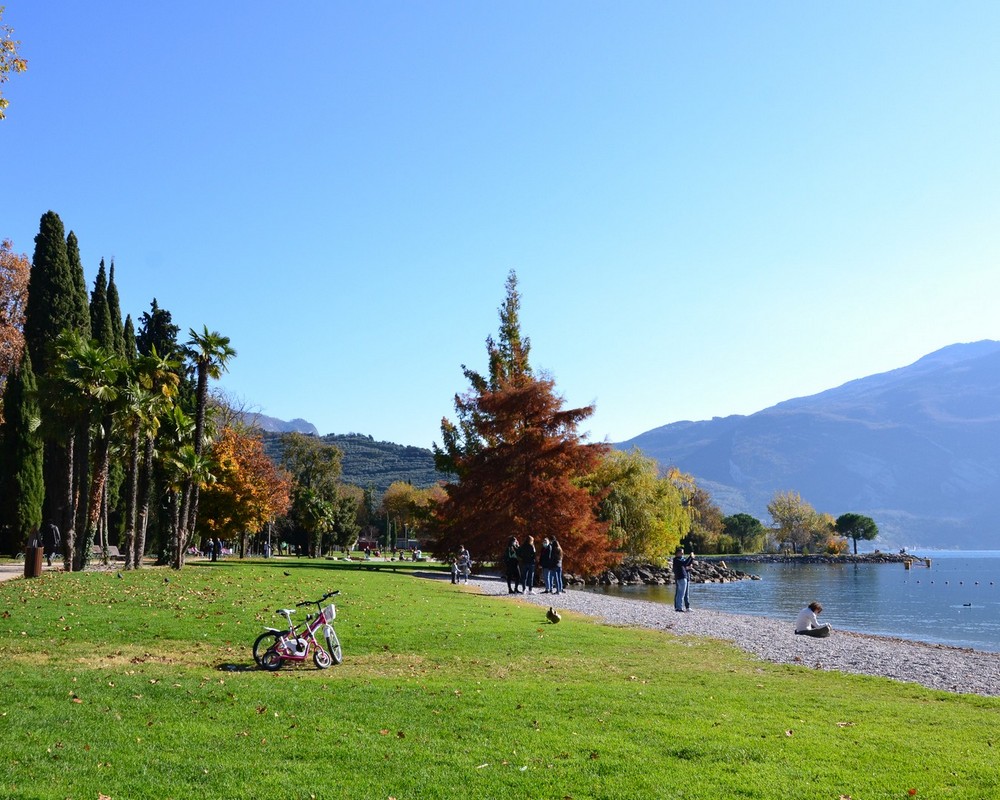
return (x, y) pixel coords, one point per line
(275, 646)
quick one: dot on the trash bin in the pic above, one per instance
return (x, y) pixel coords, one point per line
(32, 562)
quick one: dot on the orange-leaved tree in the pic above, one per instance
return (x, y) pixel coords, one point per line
(518, 459)
(14, 273)
(248, 491)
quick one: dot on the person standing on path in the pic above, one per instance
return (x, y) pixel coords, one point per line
(513, 572)
(682, 577)
(51, 541)
(546, 562)
(557, 558)
(526, 561)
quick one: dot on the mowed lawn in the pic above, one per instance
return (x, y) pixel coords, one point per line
(142, 686)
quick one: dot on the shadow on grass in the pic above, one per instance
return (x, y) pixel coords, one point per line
(287, 567)
(237, 668)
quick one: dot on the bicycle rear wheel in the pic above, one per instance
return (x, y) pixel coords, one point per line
(265, 642)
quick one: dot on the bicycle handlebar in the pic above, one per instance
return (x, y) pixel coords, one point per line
(317, 602)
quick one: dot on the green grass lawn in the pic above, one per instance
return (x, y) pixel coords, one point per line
(141, 687)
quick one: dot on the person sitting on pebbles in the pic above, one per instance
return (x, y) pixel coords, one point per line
(807, 624)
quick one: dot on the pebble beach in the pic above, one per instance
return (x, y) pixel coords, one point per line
(949, 669)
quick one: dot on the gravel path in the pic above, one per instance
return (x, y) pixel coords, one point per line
(950, 669)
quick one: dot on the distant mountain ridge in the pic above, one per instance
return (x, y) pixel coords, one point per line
(915, 448)
(275, 425)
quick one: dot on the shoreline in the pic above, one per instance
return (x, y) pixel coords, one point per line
(943, 667)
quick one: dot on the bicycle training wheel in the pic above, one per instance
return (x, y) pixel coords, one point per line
(271, 660)
(333, 645)
(265, 642)
(321, 658)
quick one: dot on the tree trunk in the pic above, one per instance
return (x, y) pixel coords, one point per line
(131, 498)
(99, 478)
(145, 491)
(81, 494)
(68, 518)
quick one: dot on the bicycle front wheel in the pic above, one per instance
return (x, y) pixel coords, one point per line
(265, 642)
(333, 646)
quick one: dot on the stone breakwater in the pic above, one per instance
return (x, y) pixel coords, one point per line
(702, 571)
(949, 669)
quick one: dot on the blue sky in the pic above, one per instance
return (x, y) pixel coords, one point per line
(711, 207)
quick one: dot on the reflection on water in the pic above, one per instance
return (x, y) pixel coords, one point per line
(956, 601)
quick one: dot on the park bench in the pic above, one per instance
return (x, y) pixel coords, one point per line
(113, 554)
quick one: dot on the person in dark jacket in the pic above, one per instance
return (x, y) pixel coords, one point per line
(51, 541)
(546, 561)
(513, 570)
(526, 562)
(682, 577)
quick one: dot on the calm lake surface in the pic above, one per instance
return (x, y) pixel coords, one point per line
(956, 601)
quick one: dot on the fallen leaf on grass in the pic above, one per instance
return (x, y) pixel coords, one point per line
(789, 732)
(384, 732)
(844, 724)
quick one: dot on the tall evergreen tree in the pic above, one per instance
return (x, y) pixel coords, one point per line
(128, 340)
(51, 293)
(22, 490)
(102, 329)
(81, 316)
(55, 304)
(115, 309)
(157, 331)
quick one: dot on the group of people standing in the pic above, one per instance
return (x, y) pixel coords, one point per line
(520, 563)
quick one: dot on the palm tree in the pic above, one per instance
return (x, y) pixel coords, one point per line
(211, 353)
(92, 379)
(176, 432)
(150, 392)
(187, 467)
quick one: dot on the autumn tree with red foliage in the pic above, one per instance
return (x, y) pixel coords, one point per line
(14, 273)
(248, 492)
(518, 459)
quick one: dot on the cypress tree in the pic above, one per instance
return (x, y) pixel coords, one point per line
(115, 308)
(51, 293)
(23, 488)
(81, 316)
(101, 327)
(128, 340)
(156, 329)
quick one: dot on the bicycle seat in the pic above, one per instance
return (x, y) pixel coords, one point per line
(285, 611)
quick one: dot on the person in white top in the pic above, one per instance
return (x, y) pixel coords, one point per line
(807, 624)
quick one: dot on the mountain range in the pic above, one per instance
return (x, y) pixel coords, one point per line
(917, 449)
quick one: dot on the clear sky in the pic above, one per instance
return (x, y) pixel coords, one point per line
(711, 207)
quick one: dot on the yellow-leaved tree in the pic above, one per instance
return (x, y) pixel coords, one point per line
(10, 60)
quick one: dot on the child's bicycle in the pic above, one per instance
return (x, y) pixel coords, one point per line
(275, 645)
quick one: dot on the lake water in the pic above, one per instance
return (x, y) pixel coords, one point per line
(956, 601)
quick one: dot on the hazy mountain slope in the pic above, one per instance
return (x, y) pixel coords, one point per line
(917, 448)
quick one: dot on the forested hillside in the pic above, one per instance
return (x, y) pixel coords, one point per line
(367, 461)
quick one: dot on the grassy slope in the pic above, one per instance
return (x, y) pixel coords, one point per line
(131, 688)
